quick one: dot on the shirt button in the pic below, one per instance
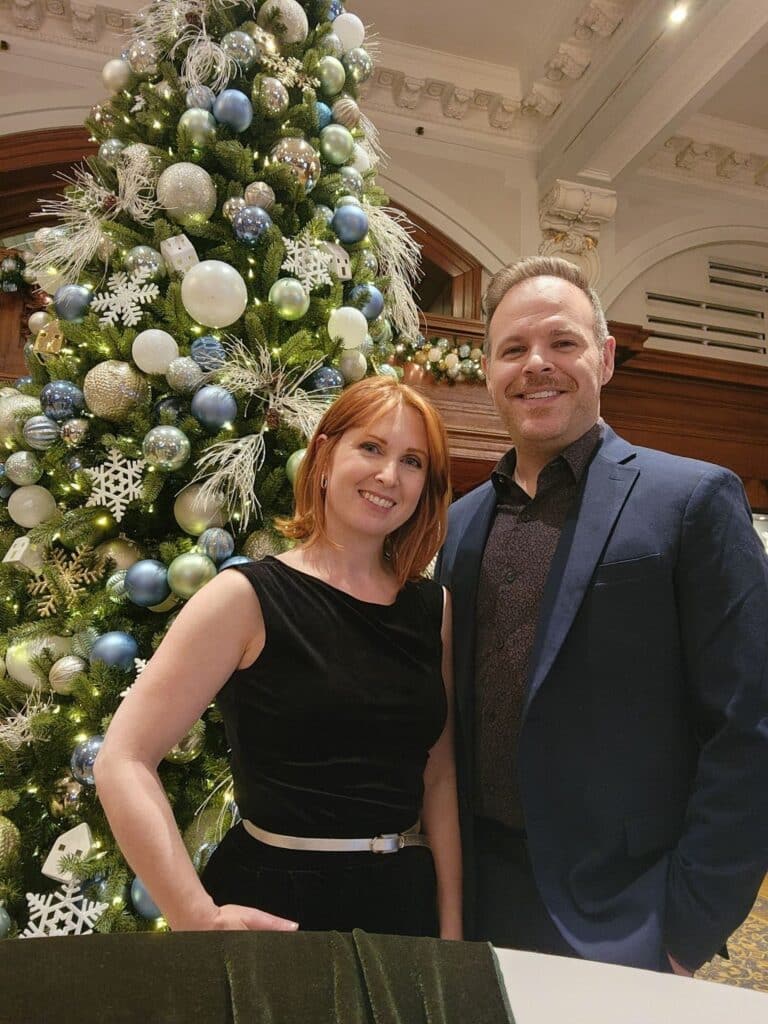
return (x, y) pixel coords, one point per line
(509, 577)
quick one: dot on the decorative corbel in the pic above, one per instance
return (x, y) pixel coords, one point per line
(571, 216)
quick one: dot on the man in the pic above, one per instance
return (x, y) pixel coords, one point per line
(610, 647)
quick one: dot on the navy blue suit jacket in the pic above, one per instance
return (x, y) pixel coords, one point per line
(643, 752)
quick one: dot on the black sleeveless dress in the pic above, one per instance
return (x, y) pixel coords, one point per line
(329, 732)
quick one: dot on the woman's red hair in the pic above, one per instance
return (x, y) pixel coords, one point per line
(413, 545)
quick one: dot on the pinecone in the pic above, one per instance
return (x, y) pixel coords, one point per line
(273, 419)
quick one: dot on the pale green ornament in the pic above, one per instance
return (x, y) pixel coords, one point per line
(331, 73)
(189, 572)
(336, 144)
(198, 126)
(293, 463)
(194, 513)
(358, 65)
(289, 297)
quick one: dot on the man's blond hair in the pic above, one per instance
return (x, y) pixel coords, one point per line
(541, 266)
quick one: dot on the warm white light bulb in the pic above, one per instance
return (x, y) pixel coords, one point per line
(678, 14)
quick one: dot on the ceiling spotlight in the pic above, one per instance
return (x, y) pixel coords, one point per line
(678, 14)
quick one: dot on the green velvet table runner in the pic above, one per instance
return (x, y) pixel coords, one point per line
(250, 978)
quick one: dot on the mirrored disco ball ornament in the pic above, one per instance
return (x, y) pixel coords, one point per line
(144, 257)
(300, 158)
(83, 758)
(166, 448)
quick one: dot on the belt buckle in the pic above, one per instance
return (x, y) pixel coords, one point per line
(389, 843)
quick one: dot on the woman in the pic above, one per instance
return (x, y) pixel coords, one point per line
(332, 667)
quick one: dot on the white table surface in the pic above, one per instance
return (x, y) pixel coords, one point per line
(560, 990)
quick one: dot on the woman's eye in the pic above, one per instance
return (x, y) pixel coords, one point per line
(413, 460)
(369, 446)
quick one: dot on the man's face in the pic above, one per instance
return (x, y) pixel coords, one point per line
(544, 370)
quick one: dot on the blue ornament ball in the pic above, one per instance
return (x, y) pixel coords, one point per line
(335, 8)
(234, 109)
(368, 299)
(324, 115)
(235, 560)
(216, 543)
(385, 370)
(327, 380)
(5, 922)
(142, 902)
(116, 649)
(146, 583)
(21, 382)
(61, 400)
(208, 353)
(83, 757)
(74, 463)
(321, 210)
(350, 224)
(71, 302)
(213, 406)
(201, 97)
(250, 223)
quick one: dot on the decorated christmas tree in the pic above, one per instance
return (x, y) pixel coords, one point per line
(219, 269)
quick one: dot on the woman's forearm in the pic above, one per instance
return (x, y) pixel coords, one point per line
(440, 820)
(142, 822)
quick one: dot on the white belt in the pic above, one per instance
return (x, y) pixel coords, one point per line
(390, 842)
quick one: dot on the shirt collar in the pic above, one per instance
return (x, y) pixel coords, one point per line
(576, 457)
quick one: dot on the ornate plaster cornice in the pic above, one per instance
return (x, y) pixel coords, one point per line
(570, 216)
(710, 162)
(91, 26)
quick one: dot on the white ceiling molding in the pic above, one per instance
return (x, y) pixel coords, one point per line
(62, 21)
(706, 162)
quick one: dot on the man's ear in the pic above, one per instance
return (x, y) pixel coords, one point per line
(608, 358)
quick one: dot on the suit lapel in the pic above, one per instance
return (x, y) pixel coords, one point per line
(464, 582)
(606, 487)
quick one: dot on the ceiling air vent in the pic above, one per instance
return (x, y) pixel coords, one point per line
(705, 327)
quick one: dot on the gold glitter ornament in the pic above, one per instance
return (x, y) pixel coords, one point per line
(261, 543)
(113, 389)
(10, 843)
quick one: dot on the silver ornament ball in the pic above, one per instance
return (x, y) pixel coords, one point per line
(144, 257)
(187, 193)
(259, 193)
(232, 206)
(184, 375)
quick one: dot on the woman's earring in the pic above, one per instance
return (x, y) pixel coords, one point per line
(323, 482)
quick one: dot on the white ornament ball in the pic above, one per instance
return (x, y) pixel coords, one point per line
(348, 325)
(352, 365)
(116, 74)
(31, 505)
(286, 19)
(195, 514)
(350, 31)
(38, 321)
(361, 161)
(19, 657)
(63, 672)
(154, 350)
(214, 293)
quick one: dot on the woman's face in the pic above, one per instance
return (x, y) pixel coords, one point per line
(377, 474)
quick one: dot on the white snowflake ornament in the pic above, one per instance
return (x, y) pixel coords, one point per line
(63, 912)
(126, 295)
(308, 261)
(116, 483)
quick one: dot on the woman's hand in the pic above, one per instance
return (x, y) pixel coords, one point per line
(234, 918)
